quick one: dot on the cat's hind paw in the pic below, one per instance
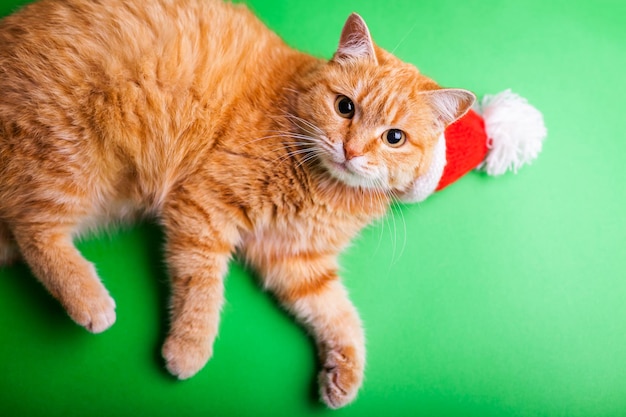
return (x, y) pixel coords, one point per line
(340, 378)
(184, 357)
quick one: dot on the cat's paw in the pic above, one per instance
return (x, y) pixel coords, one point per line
(184, 357)
(341, 377)
(93, 308)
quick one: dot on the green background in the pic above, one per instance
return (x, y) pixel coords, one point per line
(496, 297)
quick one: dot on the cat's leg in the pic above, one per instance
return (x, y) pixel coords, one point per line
(198, 249)
(308, 286)
(8, 249)
(50, 252)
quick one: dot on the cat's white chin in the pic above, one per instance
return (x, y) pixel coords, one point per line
(347, 175)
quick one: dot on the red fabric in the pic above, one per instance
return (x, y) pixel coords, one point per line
(466, 147)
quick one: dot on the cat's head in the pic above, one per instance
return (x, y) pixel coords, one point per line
(375, 119)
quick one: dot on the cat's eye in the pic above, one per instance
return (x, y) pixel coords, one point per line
(344, 107)
(394, 138)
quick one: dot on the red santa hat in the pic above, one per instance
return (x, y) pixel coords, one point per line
(502, 134)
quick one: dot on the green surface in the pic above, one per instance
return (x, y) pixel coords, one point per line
(497, 297)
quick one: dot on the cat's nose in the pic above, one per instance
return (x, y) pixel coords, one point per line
(350, 151)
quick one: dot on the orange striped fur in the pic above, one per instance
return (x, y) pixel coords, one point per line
(192, 112)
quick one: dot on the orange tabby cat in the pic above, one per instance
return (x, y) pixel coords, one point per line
(194, 113)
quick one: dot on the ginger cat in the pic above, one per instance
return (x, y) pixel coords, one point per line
(192, 112)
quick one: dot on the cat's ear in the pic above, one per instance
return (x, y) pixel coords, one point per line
(449, 104)
(355, 42)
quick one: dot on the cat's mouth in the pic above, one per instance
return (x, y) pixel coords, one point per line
(344, 173)
(341, 167)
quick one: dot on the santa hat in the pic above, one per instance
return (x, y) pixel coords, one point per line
(508, 135)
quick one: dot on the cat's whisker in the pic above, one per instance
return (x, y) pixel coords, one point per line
(399, 209)
(300, 145)
(327, 148)
(286, 134)
(388, 218)
(295, 121)
(404, 37)
(279, 134)
(261, 139)
(302, 141)
(291, 154)
(298, 120)
(313, 136)
(305, 160)
(394, 235)
(290, 132)
(381, 201)
(381, 222)
(314, 155)
(288, 142)
(305, 144)
(393, 195)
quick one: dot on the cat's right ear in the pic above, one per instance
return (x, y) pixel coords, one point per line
(449, 104)
(355, 42)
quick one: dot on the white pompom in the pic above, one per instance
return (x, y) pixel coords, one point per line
(515, 130)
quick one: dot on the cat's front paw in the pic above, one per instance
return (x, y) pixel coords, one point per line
(341, 377)
(93, 308)
(184, 357)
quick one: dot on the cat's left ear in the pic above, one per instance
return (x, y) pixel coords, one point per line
(449, 104)
(355, 42)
